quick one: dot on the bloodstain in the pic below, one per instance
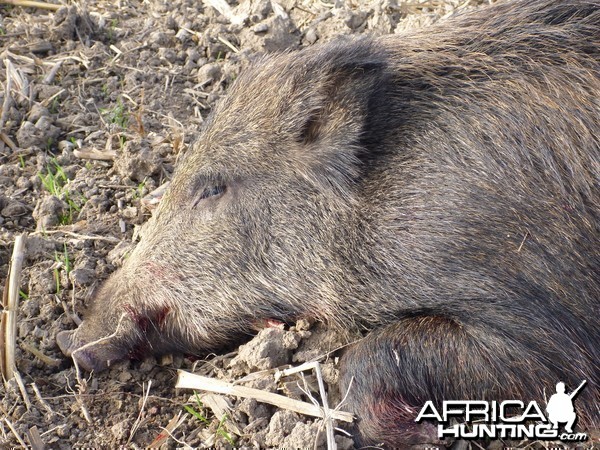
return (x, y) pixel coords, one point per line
(143, 321)
(161, 317)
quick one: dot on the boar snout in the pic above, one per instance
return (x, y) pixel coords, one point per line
(96, 356)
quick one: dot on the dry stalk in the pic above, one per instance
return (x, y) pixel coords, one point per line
(19, 81)
(40, 399)
(49, 78)
(224, 9)
(49, 100)
(73, 314)
(7, 140)
(7, 98)
(167, 431)
(51, 362)
(188, 380)
(15, 432)
(229, 44)
(523, 241)
(8, 322)
(24, 394)
(77, 235)
(35, 440)
(219, 407)
(151, 200)
(32, 4)
(98, 155)
(81, 389)
(138, 421)
(316, 366)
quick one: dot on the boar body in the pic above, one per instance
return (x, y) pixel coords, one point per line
(437, 189)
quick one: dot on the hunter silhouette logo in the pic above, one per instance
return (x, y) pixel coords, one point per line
(508, 419)
(560, 407)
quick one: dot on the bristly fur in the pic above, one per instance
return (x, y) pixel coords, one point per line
(438, 189)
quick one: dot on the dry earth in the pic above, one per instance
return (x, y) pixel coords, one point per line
(99, 100)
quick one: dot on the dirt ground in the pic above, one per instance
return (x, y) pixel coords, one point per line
(99, 101)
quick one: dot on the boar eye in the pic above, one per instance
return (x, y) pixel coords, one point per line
(211, 191)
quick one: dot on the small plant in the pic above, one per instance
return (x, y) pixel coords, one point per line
(63, 261)
(57, 280)
(23, 295)
(112, 28)
(198, 415)
(55, 179)
(55, 182)
(117, 115)
(22, 161)
(53, 108)
(138, 192)
(49, 143)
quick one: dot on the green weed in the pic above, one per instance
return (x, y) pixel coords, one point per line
(53, 108)
(117, 115)
(64, 262)
(221, 431)
(112, 28)
(138, 192)
(49, 143)
(55, 182)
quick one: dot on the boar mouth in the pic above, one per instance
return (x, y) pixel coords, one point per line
(93, 356)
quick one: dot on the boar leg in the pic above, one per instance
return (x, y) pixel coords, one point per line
(392, 372)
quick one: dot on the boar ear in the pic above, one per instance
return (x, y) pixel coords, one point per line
(341, 100)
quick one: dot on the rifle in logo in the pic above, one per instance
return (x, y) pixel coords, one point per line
(560, 407)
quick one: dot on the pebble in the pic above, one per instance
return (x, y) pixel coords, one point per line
(311, 36)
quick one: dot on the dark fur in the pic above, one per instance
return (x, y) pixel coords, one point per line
(440, 187)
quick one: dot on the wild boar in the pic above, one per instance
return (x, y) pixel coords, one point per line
(437, 189)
